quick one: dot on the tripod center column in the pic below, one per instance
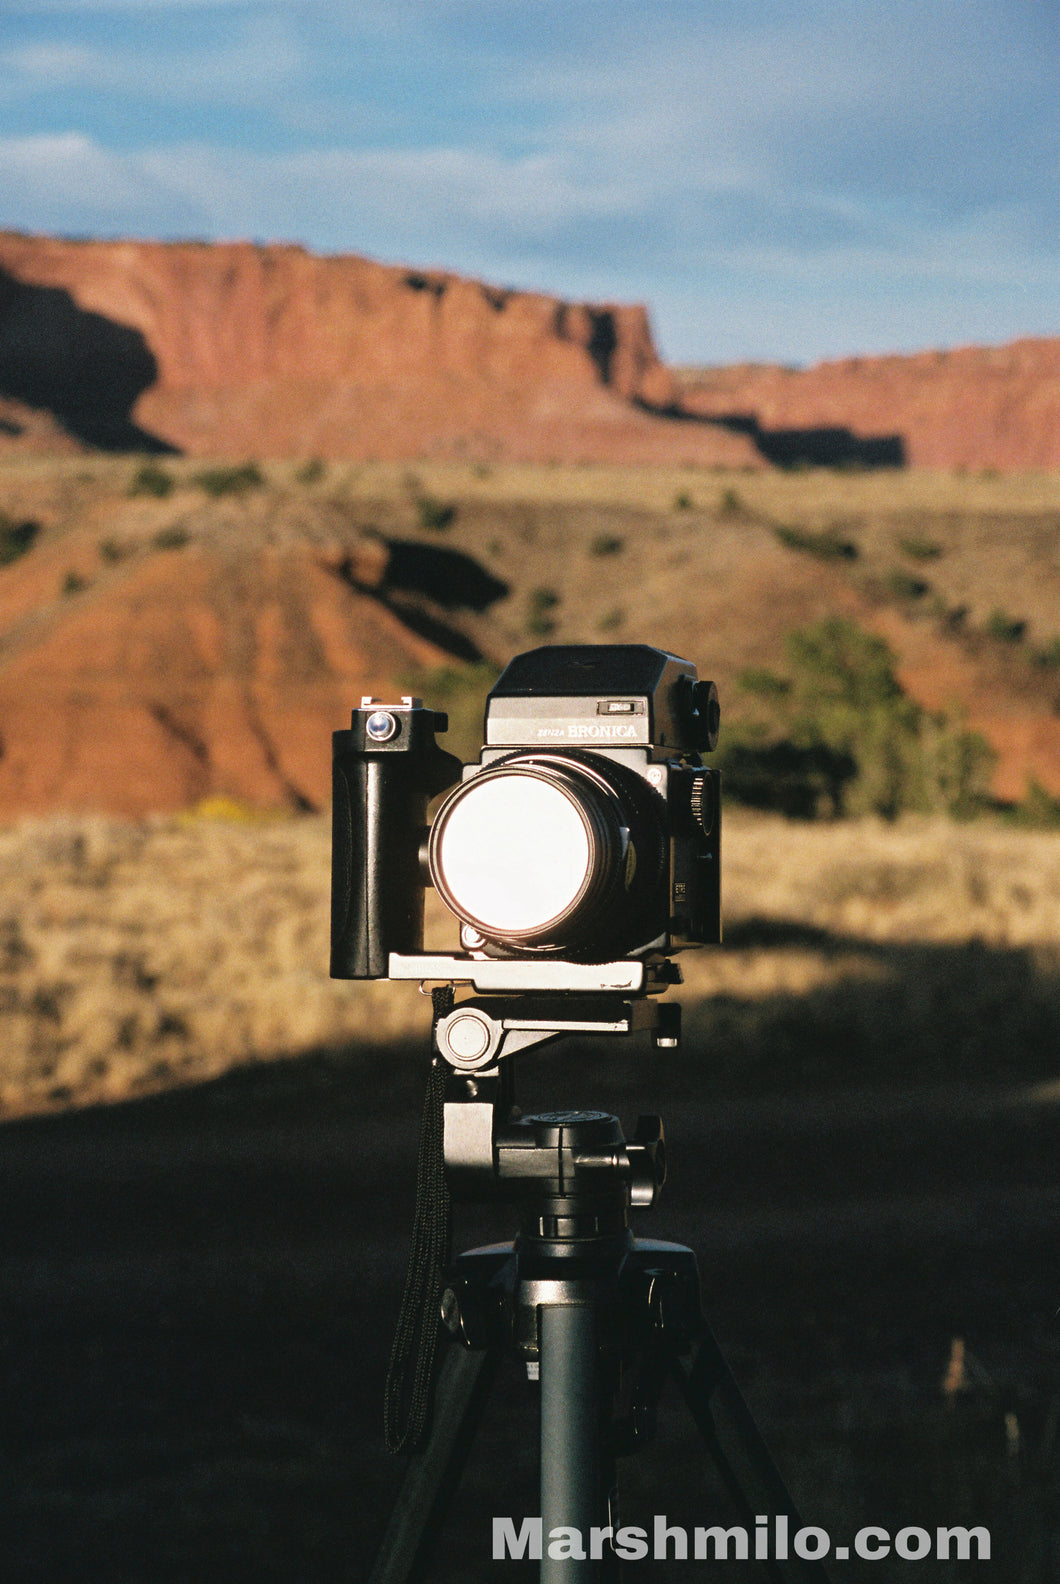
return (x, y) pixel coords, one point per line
(570, 1435)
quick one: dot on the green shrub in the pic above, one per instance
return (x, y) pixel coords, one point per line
(842, 737)
(112, 551)
(918, 548)
(73, 583)
(1039, 809)
(232, 480)
(902, 585)
(611, 620)
(435, 515)
(1047, 656)
(174, 538)
(459, 690)
(151, 479)
(764, 683)
(800, 782)
(1005, 628)
(838, 664)
(606, 544)
(540, 602)
(16, 538)
(730, 504)
(955, 766)
(823, 543)
(310, 472)
(683, 501)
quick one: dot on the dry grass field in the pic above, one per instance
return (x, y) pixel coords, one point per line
(136, 956)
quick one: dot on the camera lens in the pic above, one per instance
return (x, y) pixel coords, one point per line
(540, 852)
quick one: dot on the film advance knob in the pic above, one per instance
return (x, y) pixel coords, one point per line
(707, 714)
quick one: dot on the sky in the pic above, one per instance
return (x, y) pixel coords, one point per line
(778, 180)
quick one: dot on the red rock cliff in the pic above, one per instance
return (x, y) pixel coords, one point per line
(273, 351)
(238, 349)
(976, 407)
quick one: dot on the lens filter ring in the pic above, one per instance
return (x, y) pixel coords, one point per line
(530, 851)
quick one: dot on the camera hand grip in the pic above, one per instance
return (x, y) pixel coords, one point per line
(380, 793)
(376, 890)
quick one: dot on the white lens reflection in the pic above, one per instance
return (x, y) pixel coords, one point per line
(514, 853)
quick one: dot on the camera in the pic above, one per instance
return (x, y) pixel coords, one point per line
(588, 832)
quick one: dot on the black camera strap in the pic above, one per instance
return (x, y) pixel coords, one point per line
(409, 1381)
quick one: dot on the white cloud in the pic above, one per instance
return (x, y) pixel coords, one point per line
(44, 174)
(256, 62)
(883, 101)
(412, 193)
(50, 65)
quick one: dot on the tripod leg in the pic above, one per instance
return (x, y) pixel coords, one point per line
(434, 1473)
(743, 1459)
(608, 1573)
(570, 1431)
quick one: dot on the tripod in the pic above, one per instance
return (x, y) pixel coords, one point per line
(601, 1319)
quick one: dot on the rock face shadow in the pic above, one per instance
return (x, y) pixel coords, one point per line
(426, 585)
(823, 446)
(451, 577)
(83, 368)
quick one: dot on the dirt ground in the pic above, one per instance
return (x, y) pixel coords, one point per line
(200, 1291)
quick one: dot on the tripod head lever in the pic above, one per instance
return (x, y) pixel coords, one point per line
(477, 1040)
(482, 1029)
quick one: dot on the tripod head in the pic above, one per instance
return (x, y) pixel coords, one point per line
(569, 1172)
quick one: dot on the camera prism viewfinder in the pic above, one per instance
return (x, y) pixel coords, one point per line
(588, 831)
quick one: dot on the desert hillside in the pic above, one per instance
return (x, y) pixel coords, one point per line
(171, 632)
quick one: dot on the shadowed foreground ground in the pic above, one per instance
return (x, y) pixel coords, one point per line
(199, 1286)
(199, 1292)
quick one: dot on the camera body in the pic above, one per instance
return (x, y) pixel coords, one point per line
(589, 830)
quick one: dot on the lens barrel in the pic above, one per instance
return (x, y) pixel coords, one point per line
(547, 852)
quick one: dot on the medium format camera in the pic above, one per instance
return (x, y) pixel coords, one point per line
(588, 832)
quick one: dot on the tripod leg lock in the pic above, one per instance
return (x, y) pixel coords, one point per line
(491, 1297)
(477, 1297)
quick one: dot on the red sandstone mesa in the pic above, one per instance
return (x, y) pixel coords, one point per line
(238, 349)
(972, 408)
(272, 351)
